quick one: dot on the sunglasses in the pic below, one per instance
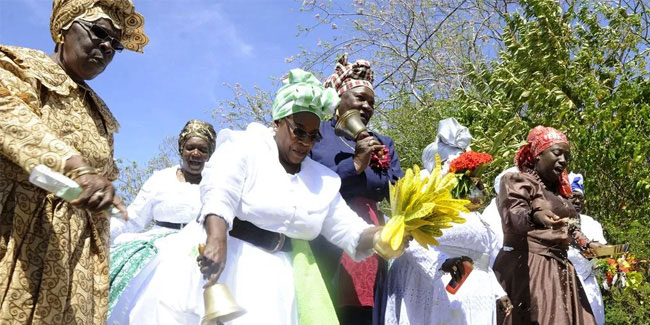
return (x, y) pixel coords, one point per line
(101, 34)
(301, 134)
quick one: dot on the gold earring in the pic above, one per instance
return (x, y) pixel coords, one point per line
(60, 39)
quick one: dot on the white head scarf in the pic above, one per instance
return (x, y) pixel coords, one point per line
(452, 140)
(577, 182)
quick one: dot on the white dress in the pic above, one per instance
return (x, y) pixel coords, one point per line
(244, 178)
(416, 286)
(585, 268)
(162, 198)
(492, 217)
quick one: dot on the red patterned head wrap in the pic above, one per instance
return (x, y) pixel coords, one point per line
(349, 75)
(539, 139)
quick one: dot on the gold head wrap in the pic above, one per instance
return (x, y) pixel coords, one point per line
(200, 129)
(121, 13)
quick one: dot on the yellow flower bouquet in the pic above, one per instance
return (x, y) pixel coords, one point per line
(420, 208)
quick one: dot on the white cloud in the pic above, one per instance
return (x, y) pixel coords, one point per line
(243, 47)
(206, 22)
(202, 21)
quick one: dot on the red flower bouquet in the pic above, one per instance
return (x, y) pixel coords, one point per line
(380, 160)
(469, 161)
(468, 167)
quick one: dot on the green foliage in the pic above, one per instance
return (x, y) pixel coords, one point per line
(582, 71)
(580, 68)
(627, 307)
(412, 124)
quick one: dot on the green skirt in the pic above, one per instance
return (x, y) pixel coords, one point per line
(127, 260)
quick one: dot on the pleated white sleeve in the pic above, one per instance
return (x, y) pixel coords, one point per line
(140, 210)
(223, 182)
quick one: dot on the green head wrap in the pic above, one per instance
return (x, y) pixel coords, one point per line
(302, 92)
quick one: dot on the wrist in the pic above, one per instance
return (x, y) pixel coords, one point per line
(215, 227)
(73, 162)
(358, 165)
(75, 173)
(215, 238)
(366, 240)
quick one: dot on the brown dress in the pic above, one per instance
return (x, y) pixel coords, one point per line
(532, 266)
(53, 257)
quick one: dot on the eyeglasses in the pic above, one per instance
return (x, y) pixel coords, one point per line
(301, 134)
(101, 34)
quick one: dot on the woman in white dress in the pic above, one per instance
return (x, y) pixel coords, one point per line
(417, 279)
(273, 198)
(593, 230)
(170, 198)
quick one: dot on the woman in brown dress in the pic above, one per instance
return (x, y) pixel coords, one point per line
(539, 225)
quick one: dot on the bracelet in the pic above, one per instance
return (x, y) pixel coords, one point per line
(80, 171)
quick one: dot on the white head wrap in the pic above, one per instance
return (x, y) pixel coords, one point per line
(452, 140)
(577, 182)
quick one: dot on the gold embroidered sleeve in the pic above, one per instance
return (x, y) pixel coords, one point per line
(24, 138)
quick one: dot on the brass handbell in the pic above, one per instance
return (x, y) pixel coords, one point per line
(218, 303)
(350, 125)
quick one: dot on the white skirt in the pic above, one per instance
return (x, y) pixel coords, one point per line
(592, 290)
(170, 289)
(146, 236)
(417, 298)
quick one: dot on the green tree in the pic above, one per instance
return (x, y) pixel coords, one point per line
(582, 69)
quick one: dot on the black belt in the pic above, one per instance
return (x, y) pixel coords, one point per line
(267, 240)
(170, 225)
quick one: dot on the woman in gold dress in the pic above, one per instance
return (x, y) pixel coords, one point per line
(54, 254)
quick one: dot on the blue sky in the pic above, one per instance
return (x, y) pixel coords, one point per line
(195, 47)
